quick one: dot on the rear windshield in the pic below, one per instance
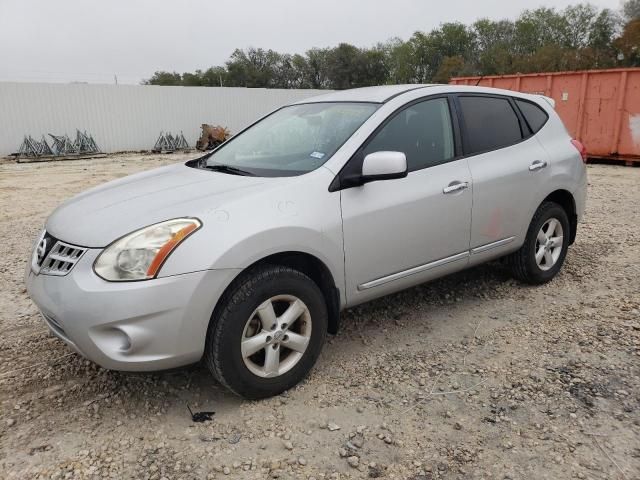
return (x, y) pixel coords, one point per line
(291, 141)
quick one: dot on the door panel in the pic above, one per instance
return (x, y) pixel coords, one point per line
(394, 226)
(507, 172)
(504, 189)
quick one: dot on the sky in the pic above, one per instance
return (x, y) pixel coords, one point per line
(95, 41)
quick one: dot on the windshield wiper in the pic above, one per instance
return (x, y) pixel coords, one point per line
(229, 169)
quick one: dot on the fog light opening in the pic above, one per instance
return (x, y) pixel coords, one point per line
(124, 339)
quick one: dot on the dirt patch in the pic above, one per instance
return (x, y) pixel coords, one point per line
(471, 376)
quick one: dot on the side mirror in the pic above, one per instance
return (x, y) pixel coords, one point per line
(384, 166)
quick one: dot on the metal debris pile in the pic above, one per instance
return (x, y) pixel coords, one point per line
(32, 148)
(212, 136)
(167, 143)
(62, 145)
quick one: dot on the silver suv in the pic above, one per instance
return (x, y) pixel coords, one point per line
(246, 256)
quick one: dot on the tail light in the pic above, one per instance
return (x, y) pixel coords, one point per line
(581, 148)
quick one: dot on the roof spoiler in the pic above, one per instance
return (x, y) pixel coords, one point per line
(549, 100)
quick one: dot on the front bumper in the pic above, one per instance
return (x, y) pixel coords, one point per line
(133, 326)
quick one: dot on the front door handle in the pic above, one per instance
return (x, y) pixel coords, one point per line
(537, 165)
(455, 187)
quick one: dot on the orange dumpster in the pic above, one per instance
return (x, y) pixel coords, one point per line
(601, 108)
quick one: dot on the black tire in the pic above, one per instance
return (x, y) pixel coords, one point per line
(223, 354)
(523, 262)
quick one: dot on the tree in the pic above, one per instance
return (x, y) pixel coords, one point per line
(494, 46)
(317, 68)
(449, 67)
(254, 67)
(545, 39)
(629, 43)
(429, 50)
(603, 30)
(375, 70)
(214, 77)
(421, 57)
(399, 61)
(631, 9)
(579, 24)
(284, 73)
(344, 66)
(192, 79)
(600, 52)
(164, 78)
(537, 28)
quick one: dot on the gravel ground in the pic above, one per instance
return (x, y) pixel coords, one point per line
(471, 376)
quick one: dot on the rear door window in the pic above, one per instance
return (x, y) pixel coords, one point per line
(490, 123)
(535, 116)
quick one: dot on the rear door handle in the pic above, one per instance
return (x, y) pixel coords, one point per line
(537, 165)
(455, 187)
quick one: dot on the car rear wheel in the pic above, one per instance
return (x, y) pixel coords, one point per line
(545, 247)
(267, 332)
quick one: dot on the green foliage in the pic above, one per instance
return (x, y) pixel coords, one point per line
(545, 39)
(631, 9)
(164, 78)
(450, 67)
(629, 43)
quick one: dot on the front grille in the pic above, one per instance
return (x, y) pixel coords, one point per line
(55, 257)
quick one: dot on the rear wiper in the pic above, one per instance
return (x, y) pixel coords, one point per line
(229, 169)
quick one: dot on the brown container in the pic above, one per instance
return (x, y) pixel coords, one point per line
(601, 108)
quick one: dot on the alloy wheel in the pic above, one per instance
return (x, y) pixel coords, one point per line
(549, 244)
(276, 336)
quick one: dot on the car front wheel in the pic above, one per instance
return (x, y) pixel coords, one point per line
(545, 247)
(267, 332)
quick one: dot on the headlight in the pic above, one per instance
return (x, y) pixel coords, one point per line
(140, 254)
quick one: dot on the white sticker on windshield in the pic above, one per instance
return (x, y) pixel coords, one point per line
(317, 155)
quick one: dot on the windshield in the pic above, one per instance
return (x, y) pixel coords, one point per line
(291, 141)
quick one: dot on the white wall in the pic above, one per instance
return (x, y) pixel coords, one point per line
(128, 117)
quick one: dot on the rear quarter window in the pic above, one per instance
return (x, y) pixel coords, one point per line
(534, 115)
(490, 123)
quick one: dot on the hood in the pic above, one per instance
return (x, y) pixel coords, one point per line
(102, 214)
